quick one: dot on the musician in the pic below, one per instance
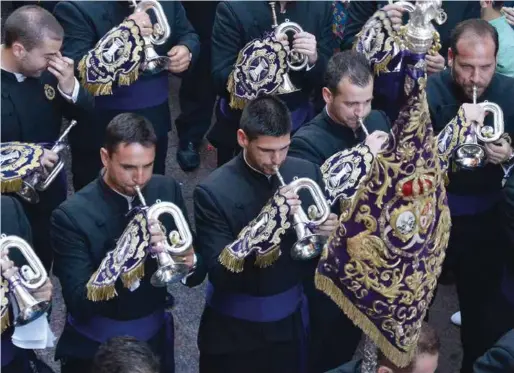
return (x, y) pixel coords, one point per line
(425, 361)
(238, 23)
(85, 229)
(15, 222)
(125, 355)
(474, 196)
(87, 22)
(38, 89)
(197, 95)
(347, 92)
(255, 317)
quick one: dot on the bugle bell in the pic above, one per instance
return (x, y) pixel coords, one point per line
(308, 245)
(30, 276)
(37, 181)
(295, 61)
(153, 63)
(180, 241)
(471, 154)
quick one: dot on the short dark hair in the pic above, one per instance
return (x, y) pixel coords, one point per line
(265, 116)
(29, 25)
(125, 355)
(428, 343)
(129, 128)
(474, 27)
(351, 64)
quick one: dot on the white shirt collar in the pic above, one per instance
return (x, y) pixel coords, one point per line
(249, 165)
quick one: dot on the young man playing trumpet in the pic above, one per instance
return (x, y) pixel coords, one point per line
(348, 92)
(255, 319)
(98, 240)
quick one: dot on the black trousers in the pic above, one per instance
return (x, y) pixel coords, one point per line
(197, 98)
(475, 255)
(275, 358)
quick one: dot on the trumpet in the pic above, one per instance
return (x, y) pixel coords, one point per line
(364, 129)
(30, 276)
(180, 241)
(308, 244)
(295, 61)
(37, 181)
(471, 154)
(153, 63)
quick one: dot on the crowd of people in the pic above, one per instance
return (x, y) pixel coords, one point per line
(315, 103)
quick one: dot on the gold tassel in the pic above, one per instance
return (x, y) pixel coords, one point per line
(399, 358)
(5, 321)
(100, 293)
(230, 262)
(11, 186)
(96, 89)
(131, 77)
(265, 260)
(136, 274)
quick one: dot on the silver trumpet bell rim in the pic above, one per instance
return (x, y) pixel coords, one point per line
(28, 193)
(284, 28)
(470, 156)
(308, 247)
(169, 274)
(34, 312)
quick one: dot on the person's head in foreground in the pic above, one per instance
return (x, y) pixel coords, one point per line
(425, 360)
(125, 355)
(472, 55)
(265, 133)
(33, 36)
(128, 153)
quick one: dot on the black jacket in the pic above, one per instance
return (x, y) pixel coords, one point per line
(85, 23)
(225, 203)
(238, 23)
(84, 228)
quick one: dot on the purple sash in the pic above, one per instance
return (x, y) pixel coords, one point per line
(143, 93)
(100, 329)
(472, 204)
(299, 116)
(264, 309)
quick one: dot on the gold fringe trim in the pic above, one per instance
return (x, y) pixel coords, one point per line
(5, 321)
(235, 102)
(100, 293)
(230, 262)
(399, 358)
(96, 89)
(11, 186)
(131, 77)
(265, 260)
(136, 274)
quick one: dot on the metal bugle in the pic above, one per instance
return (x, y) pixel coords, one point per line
(180, 241)
(37, 181)
(308, 244)
(154, 63)
(30, 276)
(471, 154)
(295, 61)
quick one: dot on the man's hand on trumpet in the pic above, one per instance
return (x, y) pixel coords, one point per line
(157, 244)
(328, 226)
(142, 20)
(44, 293)
(179, 59)
(375, 141)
